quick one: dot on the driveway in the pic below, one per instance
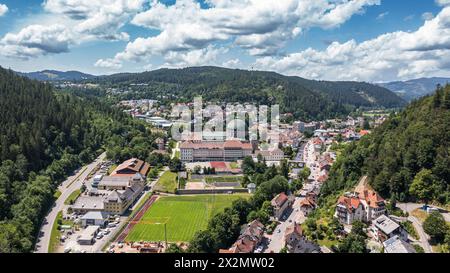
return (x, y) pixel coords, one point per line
(67, 187)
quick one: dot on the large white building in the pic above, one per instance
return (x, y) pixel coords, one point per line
(273, 154)
(230, 150)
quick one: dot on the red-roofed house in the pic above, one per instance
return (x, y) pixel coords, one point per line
(296, 242)
(373, 203)
(307, 206)
(280, 203)
(349, 209)
(248, 240)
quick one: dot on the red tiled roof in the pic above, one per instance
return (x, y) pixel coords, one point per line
(364, 132)
(350, 203)
(322, 178)
(218, 165)
(372, 198)
(280, 199)
(294, 228)
(131, 167)
(307, 202)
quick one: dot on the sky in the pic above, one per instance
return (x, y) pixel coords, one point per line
(363, 40)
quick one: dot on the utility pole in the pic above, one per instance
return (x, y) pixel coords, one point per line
(165, 233)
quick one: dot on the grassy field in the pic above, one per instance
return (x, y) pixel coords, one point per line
(72, 197)
(183, 216)
(167, 182)
(419, 214)
(219, 179)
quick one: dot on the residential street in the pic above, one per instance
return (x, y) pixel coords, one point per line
(310, 157)
(277, 238)
(67, 187)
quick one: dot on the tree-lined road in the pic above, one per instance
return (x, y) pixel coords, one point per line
(66, 188)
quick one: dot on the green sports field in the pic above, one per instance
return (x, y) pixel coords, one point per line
(183, 216)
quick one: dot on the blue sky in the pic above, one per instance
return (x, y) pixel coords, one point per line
(370, 40)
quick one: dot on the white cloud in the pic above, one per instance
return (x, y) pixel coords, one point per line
(398, 54)
(108, 63)
(427, 16)
(233, 63)
(100, 18)
(78, 21)
(36, 40)
(443, 2)
(382, 15)
(3, 9)
(197, 57)
(260, 26)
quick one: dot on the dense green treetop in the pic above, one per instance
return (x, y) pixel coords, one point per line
(406, 157)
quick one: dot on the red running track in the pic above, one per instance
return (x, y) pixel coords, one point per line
(136, 218)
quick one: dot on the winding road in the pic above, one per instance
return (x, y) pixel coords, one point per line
(409, 207)
(70, 185)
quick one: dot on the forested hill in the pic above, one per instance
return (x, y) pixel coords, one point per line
(304, 98)
(54, 75)
(44, 136)
(406, 158)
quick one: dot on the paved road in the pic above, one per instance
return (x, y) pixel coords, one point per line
(67, 187)
(423, 236)
(409, 207)
(277, 238)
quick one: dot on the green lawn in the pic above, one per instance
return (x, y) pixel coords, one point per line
(234, 165)
(57, 194)
(183, 216)
(167, 182)
(55, 234)
(72, 197)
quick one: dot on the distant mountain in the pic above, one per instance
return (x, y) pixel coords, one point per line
(307, 99)
(54, 75)
(417, 88)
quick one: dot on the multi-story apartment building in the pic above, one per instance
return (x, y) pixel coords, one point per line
(273, 154)
(373, 204)
(364, 205)
(230, 150)
(349, 209)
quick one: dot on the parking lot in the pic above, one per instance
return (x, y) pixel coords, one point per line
(104, 235)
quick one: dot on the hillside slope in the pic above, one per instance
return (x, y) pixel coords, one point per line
(407, 157)
(44, 136)
(306, 99)
(416, 88)
(54, 75)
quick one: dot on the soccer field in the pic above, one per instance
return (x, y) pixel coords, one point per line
(183, 216)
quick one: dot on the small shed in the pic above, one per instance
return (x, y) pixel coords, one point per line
(251, 188)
